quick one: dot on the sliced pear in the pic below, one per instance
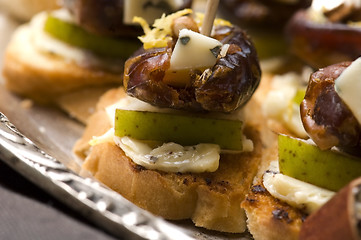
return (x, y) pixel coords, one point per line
(76, 36)
(329, 169)
(183, 129)
(299, 96)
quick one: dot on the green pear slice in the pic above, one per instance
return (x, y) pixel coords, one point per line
(299, 96)
(183, 129)
(329, 169)
(76, 36)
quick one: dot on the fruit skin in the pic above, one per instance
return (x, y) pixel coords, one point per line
(325, 116)
(227, 86)
(183, 129)
(76, 36)
(329, 169)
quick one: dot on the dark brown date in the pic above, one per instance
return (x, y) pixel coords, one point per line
(105, 17)
(322, 44)
(223, 88)
(270, 13)
(326, 118)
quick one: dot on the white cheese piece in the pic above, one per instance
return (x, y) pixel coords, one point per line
(194, 50)
(172, 157)
(279, 104)
(348, 87)
(295, 192)
(148, 9)
(44, 43)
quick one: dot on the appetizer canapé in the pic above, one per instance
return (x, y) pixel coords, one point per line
(183, 154)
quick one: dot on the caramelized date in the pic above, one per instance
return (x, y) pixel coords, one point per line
(272, 13)
(326, 118)
(105, 17)
(223, 88)
(322, 44)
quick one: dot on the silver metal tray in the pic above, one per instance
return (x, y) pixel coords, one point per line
(37, 143)
(44, 157)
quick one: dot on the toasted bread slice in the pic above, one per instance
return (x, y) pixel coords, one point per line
(211, 200)
(269, 218)
(44, 77)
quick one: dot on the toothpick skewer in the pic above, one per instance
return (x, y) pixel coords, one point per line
(211, 10)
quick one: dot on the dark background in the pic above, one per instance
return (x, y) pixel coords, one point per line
(28, 212)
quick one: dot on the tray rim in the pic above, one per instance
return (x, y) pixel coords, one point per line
(92, 199)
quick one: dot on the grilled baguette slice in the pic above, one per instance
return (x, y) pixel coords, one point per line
(268, 218)
(211, 200)
(215, 201)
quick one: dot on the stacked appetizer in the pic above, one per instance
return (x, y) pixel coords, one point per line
(174, 141)
(309, 173)
(182, 138)
(332, 115)
(79, 47)
(319, 150)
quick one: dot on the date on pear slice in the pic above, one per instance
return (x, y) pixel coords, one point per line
(329, 169)
(76, 36)
(182, 129)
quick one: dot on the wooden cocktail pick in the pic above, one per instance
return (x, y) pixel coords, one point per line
(211, 10)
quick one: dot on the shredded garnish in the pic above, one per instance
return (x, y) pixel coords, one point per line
(161, 33)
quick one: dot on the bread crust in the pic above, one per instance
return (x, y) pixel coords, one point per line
(44, 77)
(211, 200)
(268, 218)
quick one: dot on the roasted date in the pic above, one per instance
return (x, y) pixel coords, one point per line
(260, 13)
(326, 118)
(322, 44)
(223, 88)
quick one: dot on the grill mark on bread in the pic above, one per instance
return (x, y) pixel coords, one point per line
(258, 189)
(260, 197)
(281, 214)
(268, 216)
(188, 179)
